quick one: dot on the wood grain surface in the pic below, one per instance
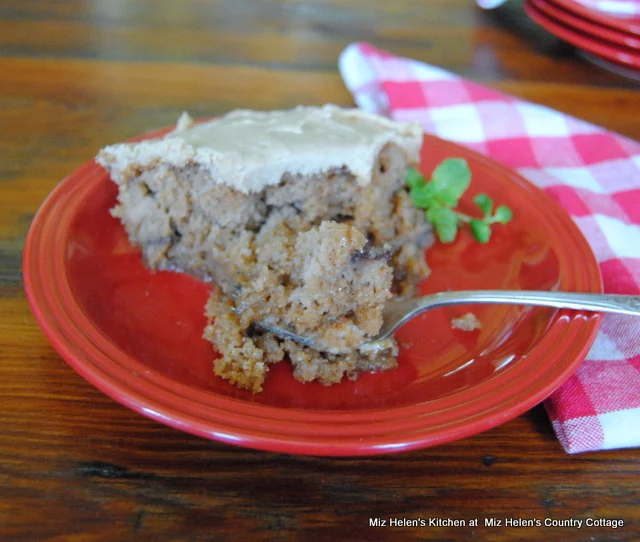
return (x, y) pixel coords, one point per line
(74, 465)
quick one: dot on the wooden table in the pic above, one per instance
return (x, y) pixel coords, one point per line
(75, 465)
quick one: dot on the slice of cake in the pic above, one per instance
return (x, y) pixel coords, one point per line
(301, 219)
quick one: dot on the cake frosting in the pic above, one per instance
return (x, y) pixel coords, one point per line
(249, 150)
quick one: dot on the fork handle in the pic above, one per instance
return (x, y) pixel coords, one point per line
(623, 304)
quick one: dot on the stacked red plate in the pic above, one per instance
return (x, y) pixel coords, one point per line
(607, 31)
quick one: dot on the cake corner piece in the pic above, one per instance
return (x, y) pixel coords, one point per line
(300, 216)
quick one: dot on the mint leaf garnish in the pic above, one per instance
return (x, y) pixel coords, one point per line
(422, 196)
(503, 214)
(480, 229)
(445, 221)
(452, 178)
(414, 178)
(485, 203)
(440, 195)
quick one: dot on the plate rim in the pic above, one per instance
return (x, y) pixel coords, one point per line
(597, 46)
(332, 444)
(629, 25)
(582, 24)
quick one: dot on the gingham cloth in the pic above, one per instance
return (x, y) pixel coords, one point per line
(593, 173)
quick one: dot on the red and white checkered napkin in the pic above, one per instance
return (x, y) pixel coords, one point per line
(593, 173)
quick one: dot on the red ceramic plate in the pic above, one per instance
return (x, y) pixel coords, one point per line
(588, 43)
(630, 25)
(618, 69)
(588, 27)
(136, 335)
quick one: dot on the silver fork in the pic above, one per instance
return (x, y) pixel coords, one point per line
(396, 313)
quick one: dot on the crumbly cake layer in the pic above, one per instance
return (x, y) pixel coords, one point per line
(245, 355)
(317, 253)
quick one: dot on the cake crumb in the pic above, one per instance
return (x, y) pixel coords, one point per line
(466, 322)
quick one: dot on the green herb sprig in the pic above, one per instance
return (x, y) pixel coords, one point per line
(440, 195)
